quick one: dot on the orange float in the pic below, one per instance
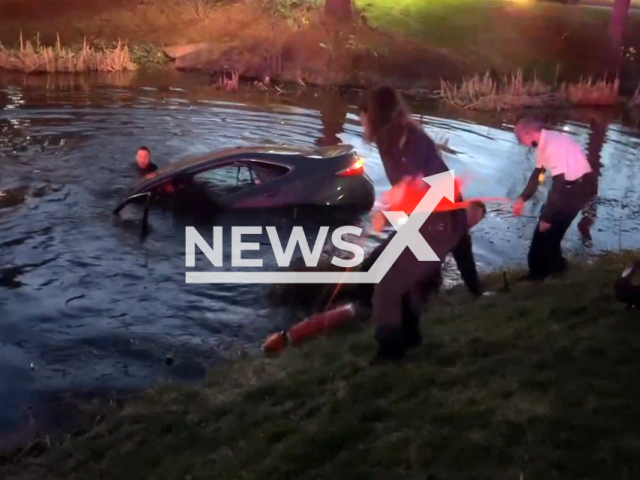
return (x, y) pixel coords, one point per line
(311, 327)
(321, 323)
(275, 342)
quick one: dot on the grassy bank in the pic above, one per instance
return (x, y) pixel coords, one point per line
(506, 35)
(540, 382)
(634, 3)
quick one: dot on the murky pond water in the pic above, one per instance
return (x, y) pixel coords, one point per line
(85, 305)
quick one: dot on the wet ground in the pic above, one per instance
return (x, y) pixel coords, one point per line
(86, 306)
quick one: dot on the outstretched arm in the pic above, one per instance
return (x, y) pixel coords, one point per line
(529, 190)
(532, 185)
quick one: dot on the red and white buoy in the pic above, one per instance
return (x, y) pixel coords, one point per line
(311, 327)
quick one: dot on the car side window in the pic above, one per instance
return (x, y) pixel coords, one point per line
(238, 176)
(264, 172)
(225, 180)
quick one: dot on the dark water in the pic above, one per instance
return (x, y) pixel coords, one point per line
(85, 306)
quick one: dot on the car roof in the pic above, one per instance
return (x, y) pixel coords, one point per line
(263, 152)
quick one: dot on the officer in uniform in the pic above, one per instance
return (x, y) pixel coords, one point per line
(570, 192)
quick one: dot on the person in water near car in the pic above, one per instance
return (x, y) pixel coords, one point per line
(407, 151)
(570, 192)
(143, 159)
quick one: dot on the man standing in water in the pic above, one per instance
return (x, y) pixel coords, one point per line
(560, 155)
(143, 159)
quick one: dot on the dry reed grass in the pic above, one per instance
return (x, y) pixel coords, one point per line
(513, 91)
(634, 101)
(590, 93)
(37, 58)
(230, 84)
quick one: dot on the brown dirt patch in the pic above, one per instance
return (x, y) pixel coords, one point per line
(319, 52)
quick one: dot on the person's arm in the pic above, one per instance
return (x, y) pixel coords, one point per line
(531, 187)
(393, 170)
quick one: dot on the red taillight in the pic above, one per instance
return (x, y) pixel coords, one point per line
(356, 169)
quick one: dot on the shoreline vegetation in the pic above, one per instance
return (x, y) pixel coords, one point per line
(32, 57)
(535, 54)
(487, 93)
(536, 382)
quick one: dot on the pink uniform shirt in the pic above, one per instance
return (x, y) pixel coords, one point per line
(559, 153)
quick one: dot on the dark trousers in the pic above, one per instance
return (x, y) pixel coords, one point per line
(545, 253)
(462, 254)
(412, 301)
(399, 297)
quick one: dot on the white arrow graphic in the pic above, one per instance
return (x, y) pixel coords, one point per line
(442, 186)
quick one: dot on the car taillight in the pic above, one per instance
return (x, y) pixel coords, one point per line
(356, 169)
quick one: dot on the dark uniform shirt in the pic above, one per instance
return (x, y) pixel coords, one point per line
(417, 155)
(152, 167)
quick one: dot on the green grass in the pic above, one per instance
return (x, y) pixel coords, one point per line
(502, 35)
(537, 383)
(634, 3)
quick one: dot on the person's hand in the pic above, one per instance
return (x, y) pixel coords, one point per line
(378, 222)
(544, 226)
(517, 207)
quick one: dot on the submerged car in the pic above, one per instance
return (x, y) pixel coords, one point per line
(263, 177)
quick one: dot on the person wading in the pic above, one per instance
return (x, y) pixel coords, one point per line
(143, 160)
(407, 151)
(571, 189)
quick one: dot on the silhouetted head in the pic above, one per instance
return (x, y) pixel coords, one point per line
(476, 211)
(528, 131)
(381, 109)
(143, 158)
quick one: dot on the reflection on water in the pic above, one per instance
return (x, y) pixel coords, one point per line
(597, 139)
(84, 305)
